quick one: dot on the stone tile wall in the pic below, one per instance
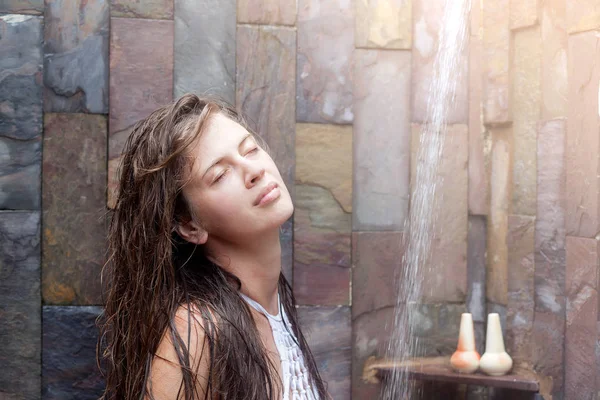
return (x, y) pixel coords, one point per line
(339, 90)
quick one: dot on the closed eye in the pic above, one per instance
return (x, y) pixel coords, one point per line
(254, 150)
(221, 176)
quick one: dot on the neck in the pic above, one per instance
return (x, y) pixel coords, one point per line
(257, 263)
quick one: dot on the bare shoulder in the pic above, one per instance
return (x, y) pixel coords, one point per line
(186, 337)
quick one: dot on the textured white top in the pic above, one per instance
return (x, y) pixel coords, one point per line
(296, 384)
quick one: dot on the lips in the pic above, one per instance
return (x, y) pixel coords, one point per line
(268, 189)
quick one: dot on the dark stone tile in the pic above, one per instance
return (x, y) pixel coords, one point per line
(140, 80)
(328, 332)
(205, 48)
(321, 248)
(22, 6)
(265, 89)
(21, 84)
(476, 249)
(582, 313)
(20, 173)
(376, 259)
(20, 329)
(152, 9)
(74, 190)
(325, 50)
(76, 56)
(69, 369)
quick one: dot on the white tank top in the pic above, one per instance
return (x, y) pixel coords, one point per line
(296, 380)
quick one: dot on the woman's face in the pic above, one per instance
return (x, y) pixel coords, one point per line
(235, 189)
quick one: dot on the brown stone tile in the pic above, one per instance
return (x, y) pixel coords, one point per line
(324, 158)
(271, 12)
(446, 277)
(376, 260)
(20, 300)
(476, 250)
(328, 331)
(205, 48)
(151, 9)
(501, 176)
(74, 184)
(381, 139)
(324, 73)
(427, 19)
(22, 7)
(554, 59)
(370, 337)
(384, 24)
(583, 141)
(76, 56)
(496, 45)
(582, 313)
(523, 13)
(479, 139)
(520, 308)
(140, 80)
(583, 15)
(526, 97)
(321, 248)
(265, 89)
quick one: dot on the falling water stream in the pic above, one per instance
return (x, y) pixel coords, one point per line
(421, 224)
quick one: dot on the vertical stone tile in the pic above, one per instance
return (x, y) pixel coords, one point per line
(273, 12)
(523, 13)
(376, 263)
(152, 9)
(328, 331)
(446, 278)
(325, 48)
(582, 314)
(76, 56)
(583, 141)
(321, 248)
(476, 249)
(371, 333)
(583, 15)
(479, 140)
(496, 45)
(322, 220)
(35, 7)
(381, 139)
(384, 24)
(554, 59)
(501, 176)
(549, 316)
(526, 114)
(69, 369)
(428, 16)
(265, 89)
(20, 111)
(519, 313)
(140, 80)
(74, 187)
(20, 330)
(205, 48)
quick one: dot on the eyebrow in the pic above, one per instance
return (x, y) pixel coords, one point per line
(218, 160)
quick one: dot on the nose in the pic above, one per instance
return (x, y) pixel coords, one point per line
(254, 172)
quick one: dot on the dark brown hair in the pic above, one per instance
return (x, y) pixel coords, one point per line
(152, 272)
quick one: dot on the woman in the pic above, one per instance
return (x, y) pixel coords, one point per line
(197, 306)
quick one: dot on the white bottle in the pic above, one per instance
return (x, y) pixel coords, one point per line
(465, 359)
(495, 361)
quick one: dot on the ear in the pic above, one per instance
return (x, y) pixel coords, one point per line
(192, 232)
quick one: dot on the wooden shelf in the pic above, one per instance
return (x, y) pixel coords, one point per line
(438, 369)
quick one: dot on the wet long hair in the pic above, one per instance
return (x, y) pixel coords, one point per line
(151, 273)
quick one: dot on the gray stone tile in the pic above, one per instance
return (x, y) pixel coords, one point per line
(20, 329)
(22, 6)
(20, 174)
(69, 369)
(76, 56)
(205, 48)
